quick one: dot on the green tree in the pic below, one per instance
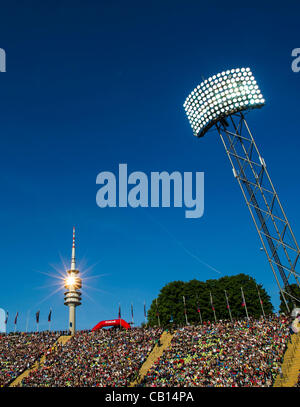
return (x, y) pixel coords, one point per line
(197, 295)
(233, 285)
(169, 304)
(295, 292)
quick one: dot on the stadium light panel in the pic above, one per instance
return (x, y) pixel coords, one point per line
(221, 95)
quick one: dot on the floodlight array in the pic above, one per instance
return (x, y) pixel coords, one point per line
(221, 95)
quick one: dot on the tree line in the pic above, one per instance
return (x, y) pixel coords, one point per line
(197, 301)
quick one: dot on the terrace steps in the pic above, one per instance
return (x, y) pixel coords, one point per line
(156, 352)
(291, 364)
(38, 363)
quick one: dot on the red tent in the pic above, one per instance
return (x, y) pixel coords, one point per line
(111, 322)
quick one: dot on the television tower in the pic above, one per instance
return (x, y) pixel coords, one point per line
(221, 102)
(73, 283)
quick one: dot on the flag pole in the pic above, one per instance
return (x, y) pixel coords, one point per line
(200, 316)
(49, 319)
(198, 310)
(158, 319)
(16, 320)
(228, 306)
(37, 316)
(260, 301)
(212, 306)
(244, 302)
(145, 314)
(132, 320)
(186, 319)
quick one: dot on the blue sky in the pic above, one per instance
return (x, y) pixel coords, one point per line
(93, 84)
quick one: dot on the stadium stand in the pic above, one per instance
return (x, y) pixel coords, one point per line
(102, 358)
(18, 351)
(238, 354)
(289, 369)
(223, 354)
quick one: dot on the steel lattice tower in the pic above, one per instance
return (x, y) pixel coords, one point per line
(222, 101)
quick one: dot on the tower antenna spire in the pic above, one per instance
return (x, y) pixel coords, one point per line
(73, 261)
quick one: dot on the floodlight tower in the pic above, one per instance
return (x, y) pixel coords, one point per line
(73, 295)
(221, 102)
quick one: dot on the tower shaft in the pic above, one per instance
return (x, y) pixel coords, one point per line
(73, 296)
(72, 319)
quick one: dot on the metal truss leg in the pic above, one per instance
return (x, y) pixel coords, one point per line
(249, 168)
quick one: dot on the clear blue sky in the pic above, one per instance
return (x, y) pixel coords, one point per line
(93, 84)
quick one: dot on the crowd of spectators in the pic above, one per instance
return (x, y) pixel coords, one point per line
(236, 354)
(108, 357)
(224, 354)
(18, 351)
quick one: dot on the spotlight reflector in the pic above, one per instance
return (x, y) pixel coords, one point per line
(222, 95)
